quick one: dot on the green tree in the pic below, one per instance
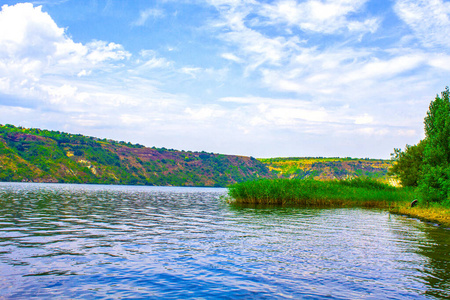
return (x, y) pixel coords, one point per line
(408, 164)
(435, 179)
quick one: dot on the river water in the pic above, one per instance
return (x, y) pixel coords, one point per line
(122, 242)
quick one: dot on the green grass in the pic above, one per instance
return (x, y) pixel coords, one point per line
(363, 192)
(356, 192)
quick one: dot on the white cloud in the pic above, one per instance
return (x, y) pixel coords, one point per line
(23, 23)
(84, 73)
(294, 114)
(92, 85)
(205, 113)
(133, 119)
(32, 41)
(144, 15)
(338, 71)
(33, 47)
(286, 62)
(100, 51)
(149, 59)
(319, 16)
(429, 19)
(60, 95)
(261, 49)
(371, 131)
(191, 71)
(377, 69)
(232, 57)
(344, 74)
(369, 25)
(364, 119)
(155, 62)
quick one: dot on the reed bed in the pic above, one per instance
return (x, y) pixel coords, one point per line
(362, 192)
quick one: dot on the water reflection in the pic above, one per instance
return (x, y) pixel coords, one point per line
(70, 241)
(433, 244)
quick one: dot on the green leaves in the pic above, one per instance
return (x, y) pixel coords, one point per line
(408, 164)
(434, 182)
(427, 164)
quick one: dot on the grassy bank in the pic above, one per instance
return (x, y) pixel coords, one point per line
(341, 193)
(432, 213)
(357, 192)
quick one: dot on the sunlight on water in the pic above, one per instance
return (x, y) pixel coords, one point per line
(87, 241)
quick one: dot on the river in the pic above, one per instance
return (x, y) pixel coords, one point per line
(67, 241)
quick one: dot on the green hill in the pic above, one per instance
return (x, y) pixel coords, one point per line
(34, 155)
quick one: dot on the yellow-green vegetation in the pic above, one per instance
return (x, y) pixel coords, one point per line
(327, 168)
(362, 192)
(434, 213)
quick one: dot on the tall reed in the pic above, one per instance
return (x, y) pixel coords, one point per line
(353, 192)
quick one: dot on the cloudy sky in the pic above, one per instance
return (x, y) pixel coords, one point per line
(248, 77)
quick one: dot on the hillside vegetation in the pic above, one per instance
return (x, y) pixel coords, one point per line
(35, 155)
(52, 156)
(320, 168)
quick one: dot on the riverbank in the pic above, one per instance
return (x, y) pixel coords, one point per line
(356, 192)
(434, 214)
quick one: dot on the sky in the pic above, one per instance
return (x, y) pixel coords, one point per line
(286, 78)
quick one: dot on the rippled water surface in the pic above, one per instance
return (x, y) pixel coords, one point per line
(80, 241)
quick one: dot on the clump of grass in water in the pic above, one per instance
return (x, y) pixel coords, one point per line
(364, 192)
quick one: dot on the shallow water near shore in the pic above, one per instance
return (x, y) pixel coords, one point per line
(92, 241)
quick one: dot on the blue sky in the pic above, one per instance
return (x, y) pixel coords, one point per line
(258, 78)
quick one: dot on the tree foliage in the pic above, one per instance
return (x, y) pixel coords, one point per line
(435, 178)
(427, 164)
(408, 164)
